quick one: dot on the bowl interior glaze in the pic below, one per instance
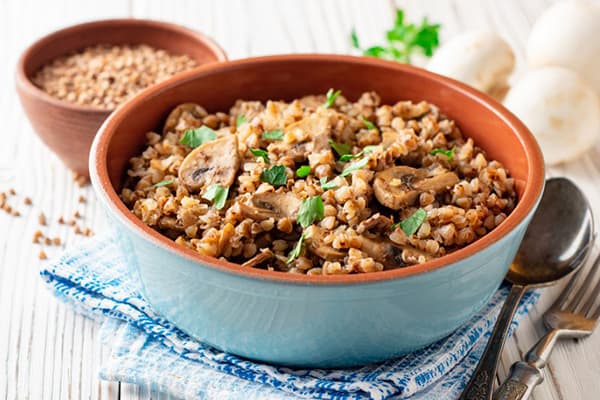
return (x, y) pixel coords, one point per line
(216, 87)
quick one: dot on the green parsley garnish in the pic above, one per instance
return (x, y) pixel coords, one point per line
(275, 175)
(262, 154)
(341, 149)
(311, 210)
(403, 40)
(195, 137)
(366, 150)
(240, 119)
(355, 167)
(303, 171)
(368, 124)
(448, 153)
(411, 224)
(327, 185)
(331, 96)
(162, 183)
(295, 253)
(217, 194)
(275, 134)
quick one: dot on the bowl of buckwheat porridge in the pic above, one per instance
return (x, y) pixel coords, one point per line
(71, 80)
(316, 210)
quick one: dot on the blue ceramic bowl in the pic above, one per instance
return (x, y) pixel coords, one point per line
(324, 321)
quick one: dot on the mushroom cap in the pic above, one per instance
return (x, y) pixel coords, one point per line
(212, 163)
(266, 205)
(399, 186)
(560, 109)
(566, 35)
(480, 59)
(175, 116)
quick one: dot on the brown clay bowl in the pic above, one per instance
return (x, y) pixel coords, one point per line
(69, 129)
(318, 321)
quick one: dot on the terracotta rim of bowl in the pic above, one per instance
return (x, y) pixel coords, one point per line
(27, 85)
(531, 193)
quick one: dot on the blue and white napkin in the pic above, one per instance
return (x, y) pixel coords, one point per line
(149, 350)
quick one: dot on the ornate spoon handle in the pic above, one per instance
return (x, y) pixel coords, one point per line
(481, 384)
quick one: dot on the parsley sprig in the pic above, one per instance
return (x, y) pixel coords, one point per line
(403, 40)
(411, 224)
(295, 253)
(311, 210)
(331, 96)
(165, 182)
(261, 154)
(195, 137)
(275, 134)
(275, 175)
(448, 153)
(303, 171)
(217, 194)
(239, 120)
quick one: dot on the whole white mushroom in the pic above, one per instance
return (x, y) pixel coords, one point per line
(568, 35)
(560, 109)
(480, 59)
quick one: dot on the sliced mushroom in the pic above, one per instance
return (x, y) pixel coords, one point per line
(375, 222)
(399, 186)
(309, 127)
(194, 110)
(266, 205)
(390, 254)
(317, 246)
(262, 257)
(214, 162)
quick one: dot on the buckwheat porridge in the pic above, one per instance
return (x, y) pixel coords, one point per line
(319, 185)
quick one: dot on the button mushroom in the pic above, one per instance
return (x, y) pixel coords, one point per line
(213, 162)
(399, 186)
(262, 257)
(317, 246)
(266, 205)
(192, 110)
(376, 222)
(389, 254)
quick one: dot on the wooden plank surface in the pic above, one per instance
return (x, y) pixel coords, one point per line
(49, 352)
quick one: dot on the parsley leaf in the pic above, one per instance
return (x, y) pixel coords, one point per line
(275, 175)
(368, 124)
(331, 96)
(295, 253)
(340, 148)
(262, 154)
(448, 153)
(162, 183)
(311, 210)
(354, 39)
(240, 119)
(366, 150)
(195, 137)
(275, 134)
(355, 167)
(327, 185)
(303, 171)
(411, 224)
(217, 194)
(404, 39)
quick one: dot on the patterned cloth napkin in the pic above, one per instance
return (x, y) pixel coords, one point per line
(149, 350)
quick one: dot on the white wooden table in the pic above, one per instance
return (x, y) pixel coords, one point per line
(49, 352)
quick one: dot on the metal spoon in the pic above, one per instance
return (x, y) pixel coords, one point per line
(556, 243)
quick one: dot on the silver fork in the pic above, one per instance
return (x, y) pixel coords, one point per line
(573, 315)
